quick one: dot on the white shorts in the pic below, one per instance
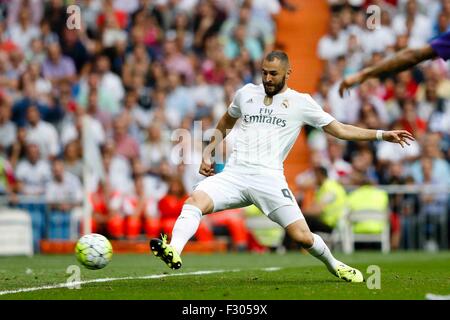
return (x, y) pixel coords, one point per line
(230, 190)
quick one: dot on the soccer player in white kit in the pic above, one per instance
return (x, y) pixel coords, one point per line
(272, 116)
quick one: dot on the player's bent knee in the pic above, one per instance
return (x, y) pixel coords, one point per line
(306, 239)
(202, 201)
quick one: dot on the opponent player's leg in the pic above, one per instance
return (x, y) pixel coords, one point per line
(291, 218)
(185, 227)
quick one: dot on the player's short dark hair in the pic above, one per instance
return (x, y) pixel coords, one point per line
(277, 54)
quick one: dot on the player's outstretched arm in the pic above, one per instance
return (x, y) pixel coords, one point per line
(402, 60)
(225, 124)
(349, 132)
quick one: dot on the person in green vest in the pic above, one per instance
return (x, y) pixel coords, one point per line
(368, 197)
(329, 203)
(6, 177)
(328, 207)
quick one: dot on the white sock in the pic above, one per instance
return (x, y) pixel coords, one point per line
(185, 226)
(320, 250)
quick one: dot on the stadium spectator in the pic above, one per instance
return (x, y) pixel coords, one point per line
(109, 82)
(58, 67)
(430, 147)
(17, 151)
(430, 100)
(170, 207)
(329, 205)
(42, 87)
(106, 215)
(137, 63)
(64, 191)
(42, 133)
(138, 118)
(387, 154)
(33, 173)
(433, 205)
(140, 210)
(72, 128)
(24, 30)
(232, 222)
(333, 44)
(240, 41)
(338, 168)
(410, 121)
(207, 21)
(368, 197)
(72, 159)
(156, 148)
(72, 46)
(126, 145)
(55, 15)
(7, 128)
(14, 7)
(49, 113)
(402, 206)
(7, 181)
(363, 164)
(93, 96)
(412, 22)
(117, 168)
(178, 101)
(9, 77)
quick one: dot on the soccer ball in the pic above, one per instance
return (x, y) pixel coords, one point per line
(93, 251)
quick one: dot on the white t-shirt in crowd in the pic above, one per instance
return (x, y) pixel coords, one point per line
(69, 132)
(7, 134)
(67, 191)
(387, 151)
(330, 49)
(420, 33)
(45, 136)
(34, 177)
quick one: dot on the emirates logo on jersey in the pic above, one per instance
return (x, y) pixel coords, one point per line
(259, 118)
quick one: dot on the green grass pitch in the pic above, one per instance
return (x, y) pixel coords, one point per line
(404, 275)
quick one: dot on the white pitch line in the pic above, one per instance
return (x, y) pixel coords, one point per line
(153, 276)
(271, 269)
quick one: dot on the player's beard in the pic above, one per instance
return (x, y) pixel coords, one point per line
(277, 87)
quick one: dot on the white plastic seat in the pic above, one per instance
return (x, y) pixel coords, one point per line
(16, 232)
(349, 237)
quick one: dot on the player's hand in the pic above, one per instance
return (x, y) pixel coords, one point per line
(207, 167)
(398, 136)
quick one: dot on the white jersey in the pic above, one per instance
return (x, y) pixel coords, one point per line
(267, 133)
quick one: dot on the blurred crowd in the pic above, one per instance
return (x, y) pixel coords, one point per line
(140, 69)
(137, 70)
(416, 100)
